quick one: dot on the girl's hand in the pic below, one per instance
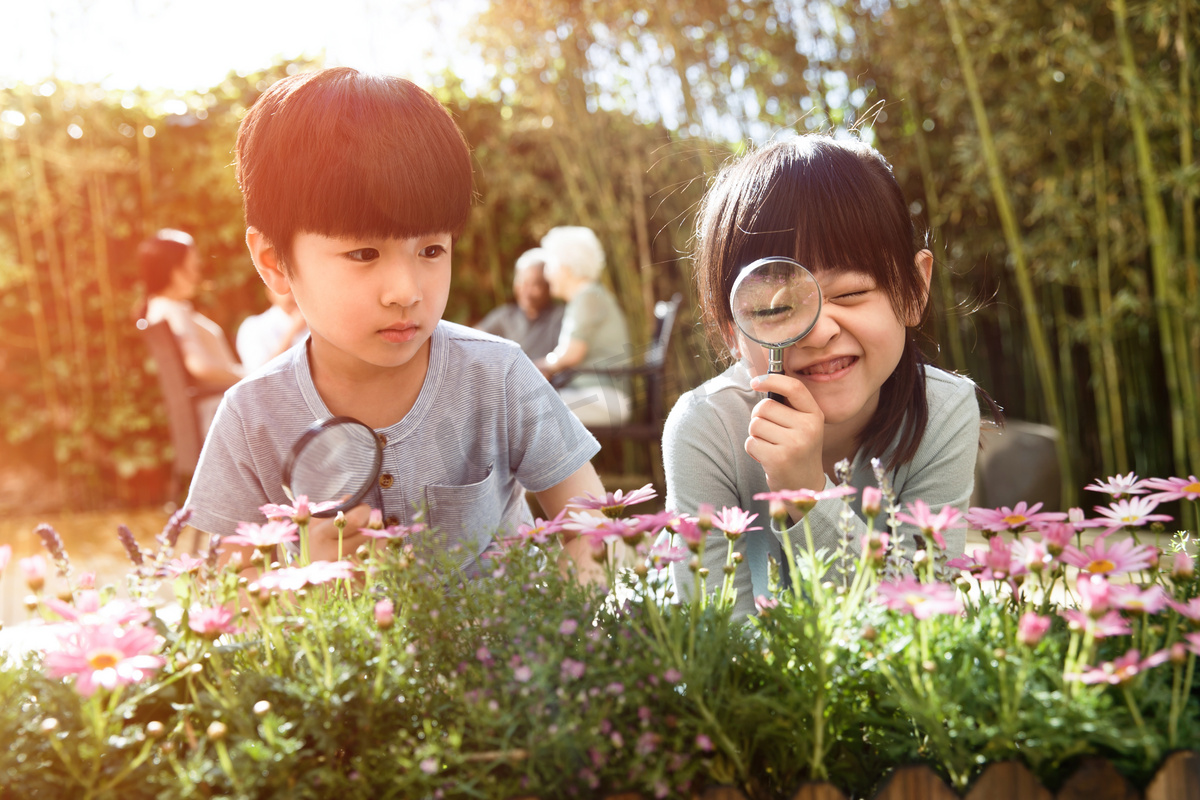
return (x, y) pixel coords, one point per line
(787, 439)
(323, 534)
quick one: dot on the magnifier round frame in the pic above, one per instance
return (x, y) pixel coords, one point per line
(315, 430)
(747, 270)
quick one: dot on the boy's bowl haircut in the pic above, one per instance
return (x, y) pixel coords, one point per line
(339, 153)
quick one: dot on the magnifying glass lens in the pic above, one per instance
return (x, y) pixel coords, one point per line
(775, 301)
(337, 459)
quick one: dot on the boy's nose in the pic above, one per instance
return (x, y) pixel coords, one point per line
(401, 286)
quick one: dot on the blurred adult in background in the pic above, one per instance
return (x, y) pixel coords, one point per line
(534, 319)
(594, 333)
(170, 270)
(263, 336)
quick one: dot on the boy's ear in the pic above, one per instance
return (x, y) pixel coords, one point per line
(267, 262)
(924, 264)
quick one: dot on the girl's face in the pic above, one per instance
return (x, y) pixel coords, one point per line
(854, 347)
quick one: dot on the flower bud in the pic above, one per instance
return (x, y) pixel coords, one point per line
(1178, 653)
(869, 633)
(385, 614)
(929, 666)
(779, 512)
(155, 729)
(872, 501)
(217, 731)
(704, 517)
(34, 570)
(261, 708)
(702, 572)
(694, 564)
(49, 725)
(641, 570)
(375, 520)
(31, 602)
(1183, 567)
(729, 569)
(87, 581)
(738, 557)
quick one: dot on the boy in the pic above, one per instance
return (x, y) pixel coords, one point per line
(354, 190)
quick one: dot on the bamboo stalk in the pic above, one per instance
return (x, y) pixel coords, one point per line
(37, 306)
(1110, 372)
(1188, 325)
(1181, 412)
(108, 303)
(1012, 236)
(1094, 332)
(44, 203)
(77, 285)
(958, 358)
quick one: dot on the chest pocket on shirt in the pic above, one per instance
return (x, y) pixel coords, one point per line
(465, 516)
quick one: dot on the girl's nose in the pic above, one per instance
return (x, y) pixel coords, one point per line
(824, 331)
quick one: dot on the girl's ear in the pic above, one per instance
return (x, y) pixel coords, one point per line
(267, 262)
(924, 265)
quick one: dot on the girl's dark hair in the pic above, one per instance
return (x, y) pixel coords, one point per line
(829, 204)
(340, 153)
(161, 255)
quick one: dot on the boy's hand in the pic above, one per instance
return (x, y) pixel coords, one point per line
(323, 534)
(787, 440)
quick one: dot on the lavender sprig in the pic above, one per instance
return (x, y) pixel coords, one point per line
(170, 532)
(136, 555)
(54, 545)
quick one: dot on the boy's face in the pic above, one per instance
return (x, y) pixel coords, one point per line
(368, 302)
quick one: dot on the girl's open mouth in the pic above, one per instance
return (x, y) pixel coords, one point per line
(829, 368)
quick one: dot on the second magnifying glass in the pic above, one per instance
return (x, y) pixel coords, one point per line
(775, 302)
(336, 459)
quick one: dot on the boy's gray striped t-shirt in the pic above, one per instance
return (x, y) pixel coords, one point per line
(486, 426)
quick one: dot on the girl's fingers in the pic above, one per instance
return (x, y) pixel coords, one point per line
(794, 390)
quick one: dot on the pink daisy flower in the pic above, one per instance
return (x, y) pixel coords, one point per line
(392, 532)
(922, 600)
(1031, 628)
(1111, 624)
(1192, 642)
(211, 621)
(614, 504)
(1094, 594)
(733, 522)
(931, 524)
(34, 570)
(1120, 670)
(1119, 486)
(88, 613)
(265, 536)
(1010, 519)
(972, 562)
(291, 579)
(1128, 597)
(1190, 609)
(185, 564)
(1098, 559)
(300, 513)
(1056, 535)
(1174, 488)
(689, 530)
(805, 496)
(105, 656)
(999, 563)
(1033, 555)
(1133, 513)
(663, 554)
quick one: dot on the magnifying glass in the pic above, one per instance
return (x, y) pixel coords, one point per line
(336, 459)
(775, 302)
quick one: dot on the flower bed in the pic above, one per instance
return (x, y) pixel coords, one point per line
(386, 675)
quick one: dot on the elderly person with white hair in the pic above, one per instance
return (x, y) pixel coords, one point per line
(594, 334)
(534, 319)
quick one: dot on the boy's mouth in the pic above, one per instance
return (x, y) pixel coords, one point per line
(830, 367)
(398, 334)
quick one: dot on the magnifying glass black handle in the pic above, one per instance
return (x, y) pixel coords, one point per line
(777, 397)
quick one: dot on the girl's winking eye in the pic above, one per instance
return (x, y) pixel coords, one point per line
(363, 254)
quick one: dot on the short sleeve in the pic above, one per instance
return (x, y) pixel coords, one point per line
(226, 488)
(547, 443)
(584, 316)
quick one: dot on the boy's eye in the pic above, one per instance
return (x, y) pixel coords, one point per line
(433, 251)
(365, 254)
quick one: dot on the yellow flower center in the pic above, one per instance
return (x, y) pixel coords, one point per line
(1193, 487)
(104, 658)
(1015, 519)
(1102, 566)
(915, 599)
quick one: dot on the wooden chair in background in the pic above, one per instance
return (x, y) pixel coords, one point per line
(181, 393)
(648, 377)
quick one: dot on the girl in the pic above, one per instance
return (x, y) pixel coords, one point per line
(856, 387)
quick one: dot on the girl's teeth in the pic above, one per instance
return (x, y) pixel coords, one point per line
(827, 367)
